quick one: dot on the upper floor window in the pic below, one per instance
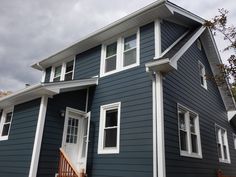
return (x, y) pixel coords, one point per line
(199, 44)
(222, 144)
(120, 55)
(234, 138)
(202, 73)
(189, 133)
(62, 72)
(109, 129)
(5, 123)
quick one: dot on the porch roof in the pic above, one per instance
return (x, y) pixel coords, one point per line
(50, 89)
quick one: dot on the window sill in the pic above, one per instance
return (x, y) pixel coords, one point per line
(109, 151)
(224, 161)
(194, 155)
(119, 70)
(204, 86)
(3, 138)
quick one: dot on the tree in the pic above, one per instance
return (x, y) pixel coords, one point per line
(219, 25)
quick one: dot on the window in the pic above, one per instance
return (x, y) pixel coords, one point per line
(120, 55)
(199, 45)
(62, 72)
(234, 138)
(109, 130)
(189, 133)
(222, 144)
(202, 74)
(5, 123)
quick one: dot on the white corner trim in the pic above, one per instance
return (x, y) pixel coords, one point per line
(38, 137)
(43, 76)
(159, 165)
(231, 114)
(186, 46)
(157, 38)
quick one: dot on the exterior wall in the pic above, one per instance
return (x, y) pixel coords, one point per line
(15, 153)
(53, 130)
(183, 86)
(170, 32)
(133, 88)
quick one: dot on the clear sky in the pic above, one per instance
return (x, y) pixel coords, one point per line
(31, 30)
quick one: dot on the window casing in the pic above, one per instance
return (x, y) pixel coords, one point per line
(234, 139)
(222, 144)
(189, 133)
(5, 123)
(202, 74)
(109, 129)
(118, 55)
(63, 71)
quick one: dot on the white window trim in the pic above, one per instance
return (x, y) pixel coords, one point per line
(189, 153)
(119, 54)
(222, 160)
(103, 109)
(204, 75)
(3, 117)
(234, 139)
(63, 69)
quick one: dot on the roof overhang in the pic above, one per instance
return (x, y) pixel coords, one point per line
(49, 89)
(159, 9)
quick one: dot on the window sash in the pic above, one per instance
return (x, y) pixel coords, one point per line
(202, 73)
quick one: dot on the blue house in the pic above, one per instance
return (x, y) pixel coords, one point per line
(129, 100)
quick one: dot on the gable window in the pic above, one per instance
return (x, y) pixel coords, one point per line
(234, 138)
(189, 133)
(62, 72)
(5, 123)
(109, 129)
(199, 45)
(222, 144)
(120, 55)
(202, 73)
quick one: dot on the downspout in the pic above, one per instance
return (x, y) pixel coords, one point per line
(159, 165)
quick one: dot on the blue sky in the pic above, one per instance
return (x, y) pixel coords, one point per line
(32, 30)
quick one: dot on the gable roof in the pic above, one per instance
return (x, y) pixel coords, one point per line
(49, 89)
(158, 9)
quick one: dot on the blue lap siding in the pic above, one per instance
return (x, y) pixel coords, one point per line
(183, 86)
(53, 130)
(16, 152)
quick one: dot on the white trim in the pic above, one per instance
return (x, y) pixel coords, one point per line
(87, 140)
(173, 44)
(43, 76)
(220, 128)
(189, 152)
(178, 54)
(234, 140)
(154, 126)
(230, 115)
(103, 109)
(157, 37)
(38, 137)
(203, 74)
(120, 53)
(160, 126)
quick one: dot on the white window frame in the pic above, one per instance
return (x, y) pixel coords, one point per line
(189, 152)
(120, 53)
(234, 139)
(103, 109)
(199, 44)
(203, 74)
(63, 69)
(2, 122)
(222, 160)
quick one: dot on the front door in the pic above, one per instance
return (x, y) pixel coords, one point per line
(75, 137)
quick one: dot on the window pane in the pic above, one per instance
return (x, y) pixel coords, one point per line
(111, 49)
(194, 143)
(68, 77)
(182, 124)
(56, 79)
(57, 71)
(111, 118)
(110, 137)
(183, 140)
(110, 64)
(225, 152)
(69, 66)
(5, 129)
(192, 123)
(84, 146)
(130, 57)
(130, 42)
(8, 117)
